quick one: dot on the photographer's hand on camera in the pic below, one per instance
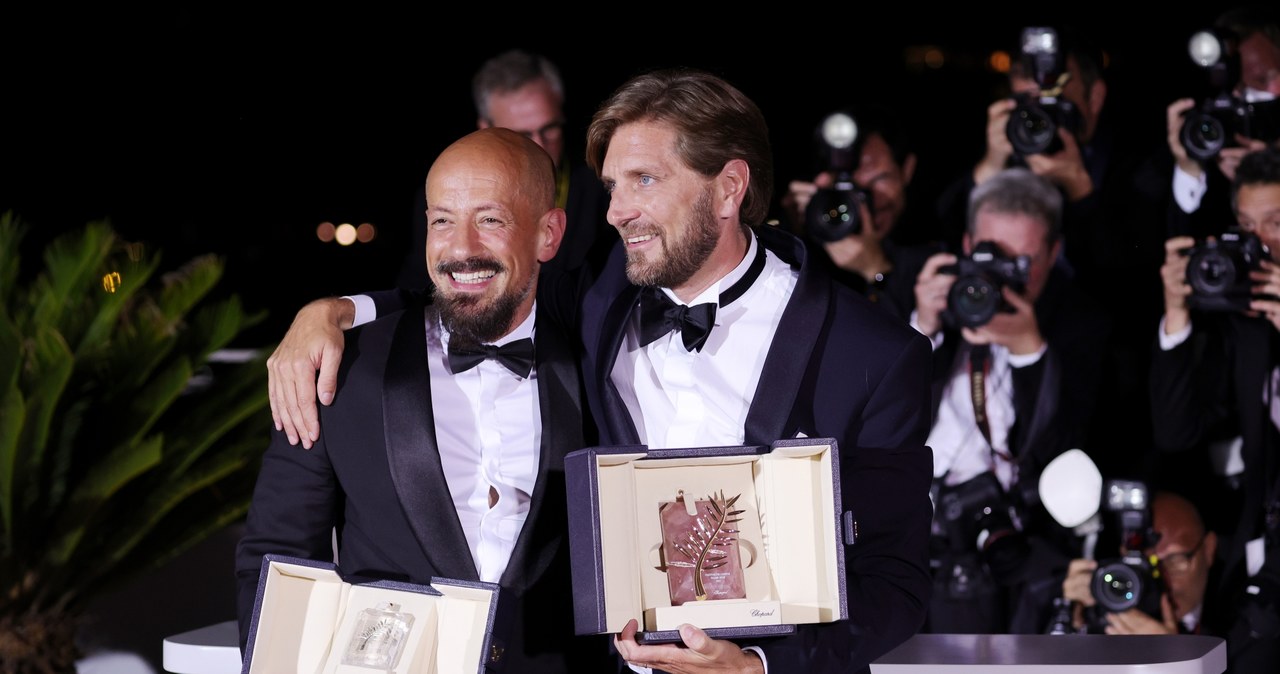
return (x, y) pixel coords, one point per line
(931, 291)
(1064, 168)
(999, 148)
(1135, 621)
(1017, 331)
(1266, 282)
(799, 194)
(1173, 273)
(1229, 157)
(1175, 117)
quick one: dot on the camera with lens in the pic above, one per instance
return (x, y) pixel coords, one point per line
(1033, 125)
(976, 295)
(1214, 123)
(1218, 271)
(833, 213)
(1131, 580)
(981, 526)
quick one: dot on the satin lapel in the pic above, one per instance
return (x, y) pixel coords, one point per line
(622, 429)
(788, 361)
(413, 455)
(560, 403)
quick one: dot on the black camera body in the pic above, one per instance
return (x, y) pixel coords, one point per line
(976, 295)
(1218, 271)
(1033, 125)
(833, 213)
(1131, 580)
(982, 527)
(1214, 123)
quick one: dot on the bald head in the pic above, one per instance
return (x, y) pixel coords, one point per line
(491, 222)
(1176, 519)
(518, 160)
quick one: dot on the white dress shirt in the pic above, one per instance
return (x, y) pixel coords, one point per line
(960, 452)
(489, 431)
(681, 398)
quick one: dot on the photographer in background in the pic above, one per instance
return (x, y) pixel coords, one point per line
(1185, 553)
(1217, 373)
(1112, 215)
(1034, 364)
(880, 165)
(1248, 70)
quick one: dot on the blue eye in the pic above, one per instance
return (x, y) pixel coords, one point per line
(646, 180)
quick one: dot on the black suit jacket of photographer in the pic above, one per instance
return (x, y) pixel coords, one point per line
(1208, 386)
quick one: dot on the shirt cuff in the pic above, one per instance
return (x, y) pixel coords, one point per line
(1169, 342)
(366, 310)
(757, 650)
(935, 340)
(1023, 360)
(1188, 191)
(640, 670)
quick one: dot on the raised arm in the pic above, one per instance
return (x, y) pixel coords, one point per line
(313, 343)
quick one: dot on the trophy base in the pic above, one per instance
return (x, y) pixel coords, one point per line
(714, 613)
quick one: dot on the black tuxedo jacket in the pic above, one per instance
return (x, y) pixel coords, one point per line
(838, 367)
(375, 474)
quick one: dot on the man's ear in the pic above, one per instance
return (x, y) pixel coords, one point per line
(731, 188)
(908, 168)
(550, 233)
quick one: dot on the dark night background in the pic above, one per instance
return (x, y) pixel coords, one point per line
(237, 133)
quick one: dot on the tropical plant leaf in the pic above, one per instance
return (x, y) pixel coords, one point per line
(72, 264)
(121, 282)
(50, 366)
(117, 468)
(243, 394)
(12, 415)
(12, 232)
(186, 286)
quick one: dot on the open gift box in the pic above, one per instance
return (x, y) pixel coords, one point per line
(790, 537)
(308, 618)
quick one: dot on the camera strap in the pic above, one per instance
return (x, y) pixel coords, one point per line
(979, 368)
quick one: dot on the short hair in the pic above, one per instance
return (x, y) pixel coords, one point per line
(883, 121)
(510, 71)
(1019, 191)
(1245, 21)
(714, 122)
(1261, 167)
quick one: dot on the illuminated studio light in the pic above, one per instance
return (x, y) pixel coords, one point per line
(1000, 61)
(366, 232)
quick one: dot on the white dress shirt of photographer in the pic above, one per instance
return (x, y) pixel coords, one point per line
(1020, 213)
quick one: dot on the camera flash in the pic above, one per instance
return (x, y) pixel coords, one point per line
(839, 131)
(1039, 40)
(1205, 49)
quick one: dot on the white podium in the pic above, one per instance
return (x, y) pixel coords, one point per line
(1051, 654)
(214, 649)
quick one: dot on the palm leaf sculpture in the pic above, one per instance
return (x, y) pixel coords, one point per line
(113, 457)
(708, 538)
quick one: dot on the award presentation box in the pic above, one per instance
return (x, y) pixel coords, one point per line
(306, 617)
(790, 536)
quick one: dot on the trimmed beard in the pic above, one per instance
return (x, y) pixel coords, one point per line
(681, 257)
(470, 319)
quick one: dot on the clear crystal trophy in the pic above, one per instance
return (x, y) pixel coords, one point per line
(379, 637)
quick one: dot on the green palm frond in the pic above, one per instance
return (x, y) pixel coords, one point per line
(114, 456)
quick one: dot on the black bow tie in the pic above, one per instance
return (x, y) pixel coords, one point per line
(659, 314)
(516, 356)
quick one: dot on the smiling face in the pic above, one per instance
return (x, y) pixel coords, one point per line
(490, 221)
(662, 209)
(886, 180)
